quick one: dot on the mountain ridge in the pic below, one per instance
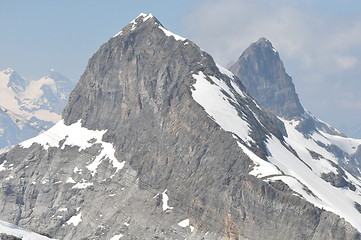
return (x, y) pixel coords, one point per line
(170, 162)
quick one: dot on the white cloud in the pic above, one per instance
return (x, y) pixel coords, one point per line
(346, 62)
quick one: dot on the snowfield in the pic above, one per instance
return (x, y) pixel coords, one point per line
(16, 231)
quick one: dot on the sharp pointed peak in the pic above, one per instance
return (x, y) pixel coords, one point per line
(141, 18)
(148, 20)
(144, 16)
(263, 43)
(263, 40)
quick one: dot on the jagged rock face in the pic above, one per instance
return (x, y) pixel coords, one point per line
(262, 73)
(170, 161)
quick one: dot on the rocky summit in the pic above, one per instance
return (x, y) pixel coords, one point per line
(159, 142)
(263, 74)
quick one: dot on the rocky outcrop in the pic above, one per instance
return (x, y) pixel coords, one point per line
(169, 172)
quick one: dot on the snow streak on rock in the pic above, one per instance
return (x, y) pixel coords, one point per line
(76, 135)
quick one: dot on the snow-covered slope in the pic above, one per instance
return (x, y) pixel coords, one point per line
(13, 230)
(29, 105)
(300, 162)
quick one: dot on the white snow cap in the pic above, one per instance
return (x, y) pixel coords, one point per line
(145, 16)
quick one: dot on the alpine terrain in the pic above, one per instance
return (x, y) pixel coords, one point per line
(261, 71)
(30, 105)
(159, 142)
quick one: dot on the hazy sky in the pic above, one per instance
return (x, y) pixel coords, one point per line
(318, 40)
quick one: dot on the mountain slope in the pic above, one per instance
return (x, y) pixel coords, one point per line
(157, 141)
(39, 102)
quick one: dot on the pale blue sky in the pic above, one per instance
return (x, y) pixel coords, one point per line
(318, 40)
(38, 35)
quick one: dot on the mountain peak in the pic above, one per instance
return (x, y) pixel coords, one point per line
(8, 71)
(263, 40)
(263, 43)
(54, 75)
(263, 74)
(144, 17)
(147, 21)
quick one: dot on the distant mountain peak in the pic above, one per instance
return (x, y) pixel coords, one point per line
(8, 71)
(263, 74)
(41, 101)
(265, 43)
(54, 75)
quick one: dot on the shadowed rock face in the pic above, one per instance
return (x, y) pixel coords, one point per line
(262, 73)
(138, 88)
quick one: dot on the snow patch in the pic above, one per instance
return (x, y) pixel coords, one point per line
(75, 220)
(348, 145)
(165, 200)
(170, 34)
(225, 71)
(77, 170)
(70, 180)
(117, 237)
(16, 231)
(2, 166)
(134, 22)
(82, 184)
(262, 168)
(184, 223)
(76, 135)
